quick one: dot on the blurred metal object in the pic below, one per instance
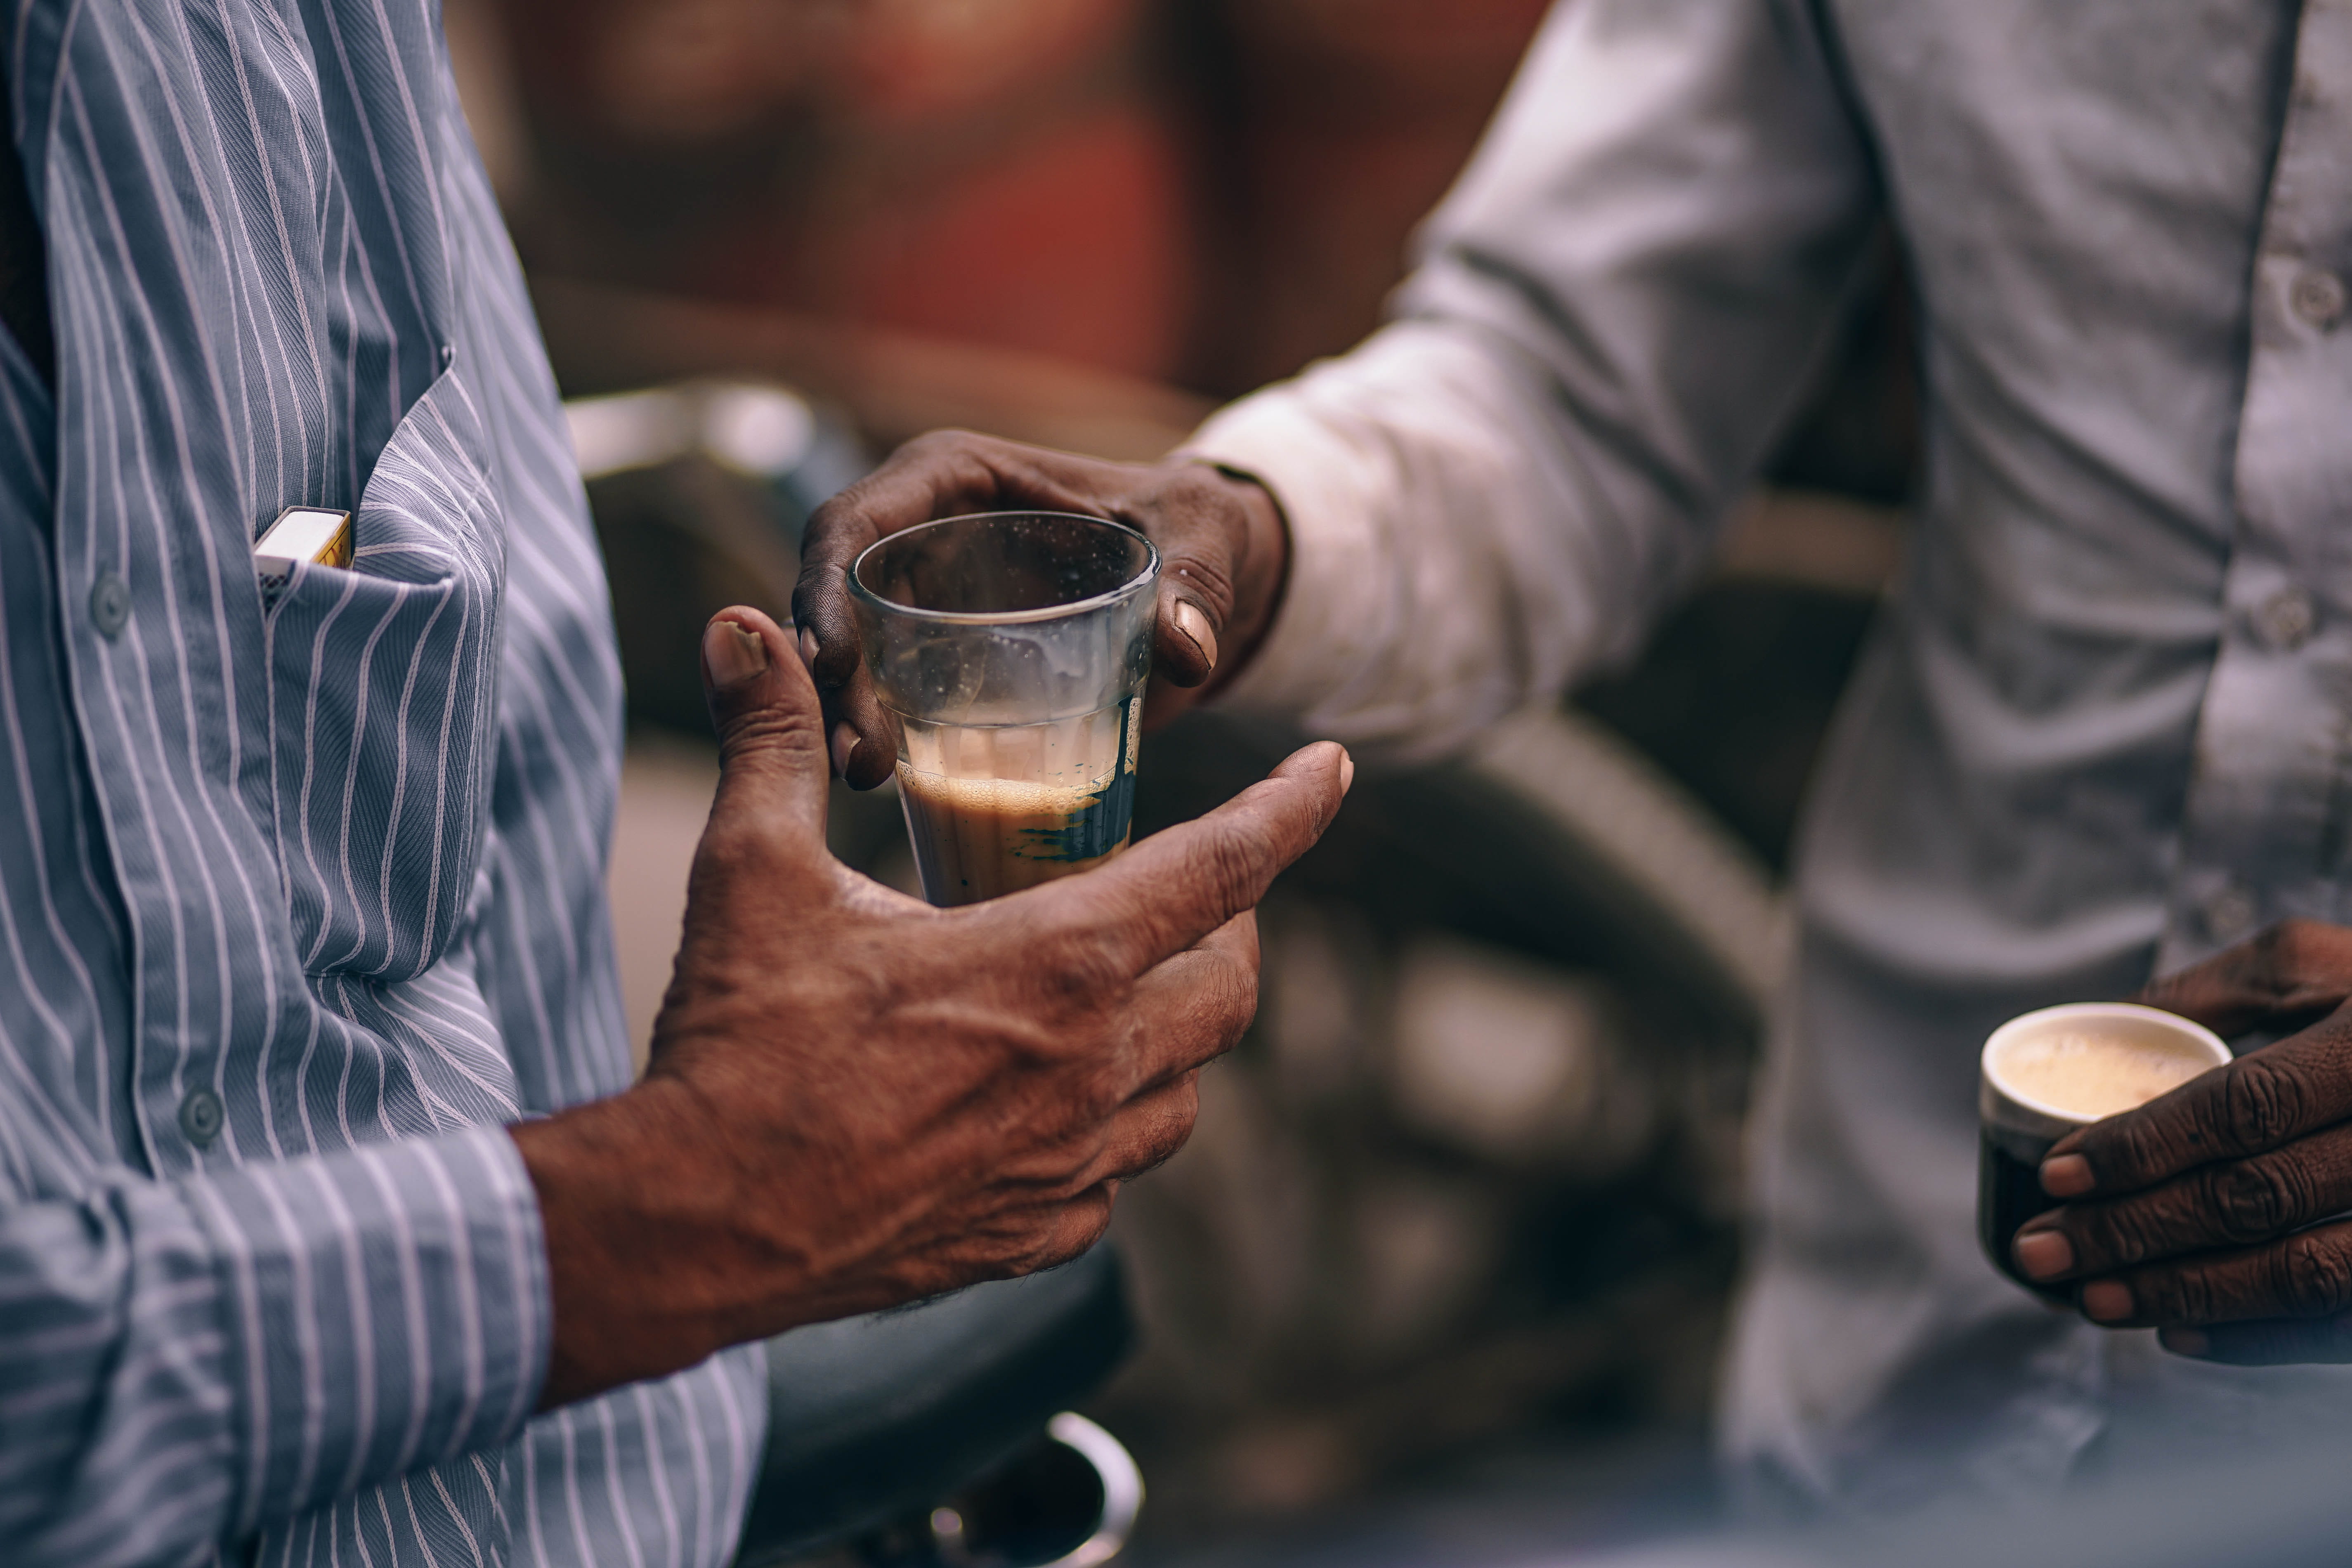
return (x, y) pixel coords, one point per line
(699, 490)
(1070, 1499)
(1122, 1489)
(630, 430)
(877, 1423)
(763, 431)
(1668, 860)
(1512, 1061)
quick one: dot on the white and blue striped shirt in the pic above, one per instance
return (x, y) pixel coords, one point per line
(299, 899)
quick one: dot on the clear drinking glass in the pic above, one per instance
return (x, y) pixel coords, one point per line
(1010, 650)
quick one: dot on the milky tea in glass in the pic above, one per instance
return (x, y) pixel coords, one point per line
(1009, 651)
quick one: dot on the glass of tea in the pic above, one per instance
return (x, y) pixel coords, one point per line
(1009, 651)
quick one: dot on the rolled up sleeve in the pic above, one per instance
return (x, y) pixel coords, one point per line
(1614, 312)
(183, 1362)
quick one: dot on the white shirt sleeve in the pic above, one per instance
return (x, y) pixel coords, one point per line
(1613, 312)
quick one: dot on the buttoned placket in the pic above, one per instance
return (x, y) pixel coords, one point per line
(2263, 829)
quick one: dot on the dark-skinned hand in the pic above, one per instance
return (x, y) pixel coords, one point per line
(1222, 546)
(856, 1099)
(2209, 1213)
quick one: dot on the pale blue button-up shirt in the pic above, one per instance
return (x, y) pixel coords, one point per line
(300, 896)
(2104, 725)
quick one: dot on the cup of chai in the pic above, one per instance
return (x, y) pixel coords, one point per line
(1009, 651)
(2046, 1073)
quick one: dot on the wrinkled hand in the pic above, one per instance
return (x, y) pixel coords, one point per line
(1222, 548)
(2198, 1213)
(856, 1099)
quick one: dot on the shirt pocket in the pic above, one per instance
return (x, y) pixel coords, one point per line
(383, 698)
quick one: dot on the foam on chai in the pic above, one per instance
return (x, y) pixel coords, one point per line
(2096, 1075)
(2045, 1074)
(982, 837)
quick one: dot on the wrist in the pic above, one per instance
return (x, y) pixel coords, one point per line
(632, 1205)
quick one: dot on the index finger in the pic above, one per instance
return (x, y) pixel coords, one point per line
(2256, 1104)
(2296, 969)
(1176, 887)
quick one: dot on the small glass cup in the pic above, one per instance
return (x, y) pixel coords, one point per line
(2018, 1128)
(1010, 651)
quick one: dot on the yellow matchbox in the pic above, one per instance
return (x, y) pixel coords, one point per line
(306, 533)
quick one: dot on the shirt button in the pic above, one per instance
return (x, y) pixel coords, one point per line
(2318, 298)
(110, 604)
(2229, 914)
(2285, 619)
(200, 1117)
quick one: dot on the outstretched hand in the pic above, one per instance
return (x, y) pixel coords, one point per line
(856, 1099)
(1224, 552)
(2211, 1212)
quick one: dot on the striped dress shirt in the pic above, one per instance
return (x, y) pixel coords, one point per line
(300, 895)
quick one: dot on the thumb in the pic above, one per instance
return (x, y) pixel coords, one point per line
(772, 755)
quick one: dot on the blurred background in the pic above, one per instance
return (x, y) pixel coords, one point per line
(1450, 1254)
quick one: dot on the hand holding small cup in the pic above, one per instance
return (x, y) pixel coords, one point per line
(2212, 1212)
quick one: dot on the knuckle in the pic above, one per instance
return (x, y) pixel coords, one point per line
(1194, 520)
(1227, 868)
(836, 530)
(830, 516)
(2315, 1276)
(1168, 1143)
(2294, 945)
(1231, 1004)
(2180, 1296)
(2113, 1234)
(941, 442)
(1081, 969)
(2277, 941)
(1098, 1097)
(2138, 1149)
(1240, 991)
(796, 730)
(2249, 1203)
(2262, 1102)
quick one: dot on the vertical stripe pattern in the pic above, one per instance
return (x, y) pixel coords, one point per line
(299, 899)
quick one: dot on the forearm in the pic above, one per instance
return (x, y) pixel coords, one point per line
(1613, 312)
(656, 1256)
(183, 1363)
(1446, 564)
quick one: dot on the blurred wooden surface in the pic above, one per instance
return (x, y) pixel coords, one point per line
(894, 385)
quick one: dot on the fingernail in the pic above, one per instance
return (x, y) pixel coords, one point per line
(1195, 626)
(2043, 1254)
(2107, 1300)
(734, 654)
(844, 746)
(2185, 1342)
(1347, 773)
(808, 648)
(2067, 1176)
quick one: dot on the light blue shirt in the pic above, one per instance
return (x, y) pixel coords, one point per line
(300, 898)
(2102, 727)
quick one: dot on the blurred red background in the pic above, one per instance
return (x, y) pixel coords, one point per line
(1207, 194)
